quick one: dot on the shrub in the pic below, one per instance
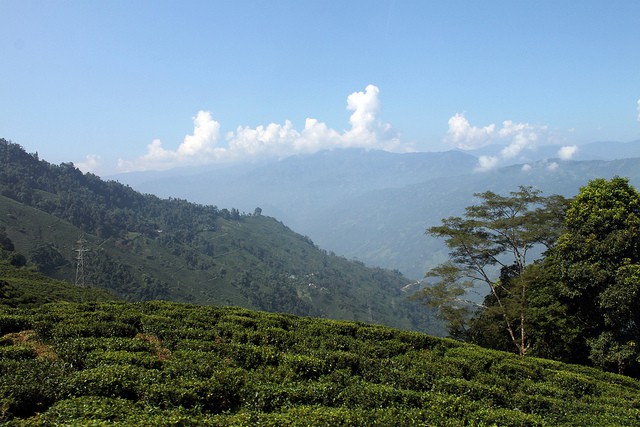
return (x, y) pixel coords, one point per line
(17, 352)
(419, 341)
(122, 357)
(504, 417)
(577, 384)
(14, 323)
(89, 408)
(192, 364)
(517, 369)
(471, 389)
(222, 392)
(369, 396)
(107, 381)
(304, 367)
(84, 328)
(338, 360)
(275, 337)
(29, 386)
(243, 320)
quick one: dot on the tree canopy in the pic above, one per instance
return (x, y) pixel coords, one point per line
(578, 303)
(597, 261)
(491, 245)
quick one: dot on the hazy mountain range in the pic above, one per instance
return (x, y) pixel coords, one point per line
(375, 205)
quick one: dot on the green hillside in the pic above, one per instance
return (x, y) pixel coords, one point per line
(168, 364)
(140, 247)
(22, 287)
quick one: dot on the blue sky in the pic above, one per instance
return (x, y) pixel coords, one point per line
(121, 85)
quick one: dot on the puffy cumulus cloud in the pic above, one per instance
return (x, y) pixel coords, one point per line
(366, 128)
(275, 140)
(526, 167)
(197, 148)
(316, 136)
(521, 136)
(91, 163)
(567, 152)
(206, 132)
(552, 166)
(365, 106)
(466, 137)
(486, 163)
(516, 137)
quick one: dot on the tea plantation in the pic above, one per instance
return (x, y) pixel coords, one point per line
(169, 364)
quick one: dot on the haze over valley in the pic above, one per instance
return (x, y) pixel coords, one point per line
(374, 206)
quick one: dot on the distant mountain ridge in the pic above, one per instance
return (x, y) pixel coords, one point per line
(297, 185)
(599, 150)
(375, 206)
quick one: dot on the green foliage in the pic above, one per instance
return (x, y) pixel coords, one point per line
(595, 274)
(89, 409)
(494, 236)
(579, 303)
(13, 323)
(21, 287)
(232, 367)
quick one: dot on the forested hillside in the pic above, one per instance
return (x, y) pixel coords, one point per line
(23, 287)
(142, 247)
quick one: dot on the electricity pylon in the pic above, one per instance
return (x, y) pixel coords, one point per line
(80, 250)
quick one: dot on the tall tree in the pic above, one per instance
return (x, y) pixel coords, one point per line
(492, 245)
(598, 267)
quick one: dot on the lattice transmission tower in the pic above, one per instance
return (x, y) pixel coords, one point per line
(80, 251)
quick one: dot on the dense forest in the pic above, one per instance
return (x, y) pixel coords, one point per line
(141, 247)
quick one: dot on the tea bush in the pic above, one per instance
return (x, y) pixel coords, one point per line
(166, 364)
(14, 323)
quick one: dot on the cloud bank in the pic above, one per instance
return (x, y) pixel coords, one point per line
(206, 145)
(516, 137)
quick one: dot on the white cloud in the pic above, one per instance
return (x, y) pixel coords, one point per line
(486, 163)
(90, 164)
(463, 136)
(315, 136)
(553, 166)
(516, 137)
(526, 167)
(206, 132)
(521, 136)
(567, 152)
(638, 108)
(198, 148)
(365, 106)
(275, 140)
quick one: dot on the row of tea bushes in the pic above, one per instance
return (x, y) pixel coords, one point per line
(161, 363)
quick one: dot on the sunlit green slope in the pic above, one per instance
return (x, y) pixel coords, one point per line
(160, 363)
